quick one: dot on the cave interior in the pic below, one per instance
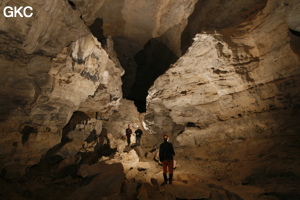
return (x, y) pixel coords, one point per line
(221, 78)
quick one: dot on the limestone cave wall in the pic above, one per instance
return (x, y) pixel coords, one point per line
(51, 66)
(140, 27)
(224, 79)
(231, 103)
(249, 77)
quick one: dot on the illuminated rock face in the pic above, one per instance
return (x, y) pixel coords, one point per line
(230, 103)
(224, 77)
(140, 21)
(138, 29)
(41, 33)
(50, 67)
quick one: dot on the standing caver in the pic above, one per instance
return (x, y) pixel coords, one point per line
(138, 135)
(128, 132)
(166, 153)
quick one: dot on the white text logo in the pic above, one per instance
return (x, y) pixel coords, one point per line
(15, 11)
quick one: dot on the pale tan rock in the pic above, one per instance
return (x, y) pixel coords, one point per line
(129, 160)
(218, 80)
(119, 120)
(103, 159)
(188, 179)
(70, 148)
(41, 32)
(293, 16)
(81, 135)
(158, 177)
(89, 147)
(164, 20)
(149, 155)
(143, 165)
(131, 174)
(119, 144)
(89, 125)
(42, 92)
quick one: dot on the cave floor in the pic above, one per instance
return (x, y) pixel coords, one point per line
(246, 169)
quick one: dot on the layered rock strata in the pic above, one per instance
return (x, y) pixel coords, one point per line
(231, 105)
(125, 19)
(226, 77)
(50, 67)
(133, 26)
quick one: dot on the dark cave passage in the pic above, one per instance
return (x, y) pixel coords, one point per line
(97, 30)
(72, 4)
(295, 41)
(144, 64)
(141, 67)
(152, 62)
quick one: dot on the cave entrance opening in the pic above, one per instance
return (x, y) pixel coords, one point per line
(150, 62)
(143, 64)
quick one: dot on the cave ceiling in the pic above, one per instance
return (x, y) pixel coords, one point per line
(142, 30)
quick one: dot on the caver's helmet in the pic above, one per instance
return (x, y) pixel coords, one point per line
(165, 137)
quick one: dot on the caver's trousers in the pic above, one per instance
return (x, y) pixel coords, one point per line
(168, 166)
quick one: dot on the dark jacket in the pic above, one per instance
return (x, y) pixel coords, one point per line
(138, 133)
(128, 132)
(166, 151)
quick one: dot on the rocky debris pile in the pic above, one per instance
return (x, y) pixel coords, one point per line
(134, 172)
(104, 181)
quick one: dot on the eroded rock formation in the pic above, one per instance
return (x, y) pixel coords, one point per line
(44, 81)
(224, 77)
(235, 89)
(140, 28)
(229, 100)
(163, 19)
